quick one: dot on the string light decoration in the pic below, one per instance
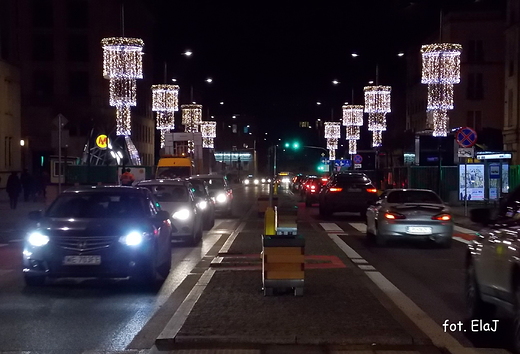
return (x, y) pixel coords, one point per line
(353, 120)
(353, 132)
(332, 134)
(440, 71)
(209, 132)
(165, 101)
(191, 118)
(377, 105)
(122, 65)
(352, 146)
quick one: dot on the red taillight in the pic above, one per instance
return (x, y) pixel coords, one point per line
(313, 187)
(335, 189)
(394, 216)
(442, 217)
(371, 190)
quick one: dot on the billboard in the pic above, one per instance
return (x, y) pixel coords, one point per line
(473, 175)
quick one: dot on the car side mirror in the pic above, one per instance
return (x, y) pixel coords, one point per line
(35, 215)
(480, 215)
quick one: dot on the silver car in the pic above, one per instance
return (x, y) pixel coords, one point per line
(176, 197)
(418, 214)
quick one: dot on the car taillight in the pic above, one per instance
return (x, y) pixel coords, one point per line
(371, 190)
(335, 189)
(313, 187)
(394, 216)
(442, 217)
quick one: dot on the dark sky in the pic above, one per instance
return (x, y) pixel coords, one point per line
(275, 59)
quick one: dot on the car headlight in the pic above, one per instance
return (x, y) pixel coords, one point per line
(246, 181)
(221, 198)
(256, 181)
(182, 214)
(269, 180)
(134, 238)
(37, 239)
(263, 180)
(203, 205)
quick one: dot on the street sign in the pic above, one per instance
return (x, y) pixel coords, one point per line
(102, 141)
(342, 163)
(358, 159)
(466, 152)
(60, 118)
(357, 166)
(466, 137)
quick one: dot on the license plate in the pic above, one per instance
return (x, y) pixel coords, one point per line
(353, 190)
(82, 260)
(418, 230)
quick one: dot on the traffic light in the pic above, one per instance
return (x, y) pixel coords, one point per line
(294, 145)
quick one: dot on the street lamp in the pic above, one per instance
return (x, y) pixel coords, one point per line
(188, 53)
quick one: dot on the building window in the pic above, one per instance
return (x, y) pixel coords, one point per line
(43, 84)
(304, 124)
(43, 47)
(474, 120)
(77, 14)
(475, 88)
(78, 84)
(42, 13)
(475, 51)
(77, 47)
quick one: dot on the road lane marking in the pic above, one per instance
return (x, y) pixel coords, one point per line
(331, 227)
(464, 230)
(361, 227)
(359, 260)
(404, 303)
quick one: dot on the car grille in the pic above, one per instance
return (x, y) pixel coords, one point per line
(83, 244)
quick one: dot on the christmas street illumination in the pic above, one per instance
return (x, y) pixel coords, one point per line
(122, 65)
(353, 132)
(352, 146)
(353, 115)
(440, 70)
(377, 138)
(191, 116)
(332, 134)
(209, 132)
(377, 105)
(376, 121)
(165, 101)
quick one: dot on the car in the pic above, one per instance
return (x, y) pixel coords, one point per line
(347, 192)
(311, 189)
(296, 183)
(101, 232)
(220, 191)
(204, 202)
(492, 265)
(415, 214)
(176, 197)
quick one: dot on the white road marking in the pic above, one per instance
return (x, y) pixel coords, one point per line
(460, 239)
(405, 304)
(464, 230)
(331, 227)
(359, 260)
(15, 241)
(344, 247)
(3, 244)
(361, 227)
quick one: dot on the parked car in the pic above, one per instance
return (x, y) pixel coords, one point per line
(176, 197)
(347, 192)
(415, 214)
(205, 203)
(220, 191)
(493, 265)
(103, 232)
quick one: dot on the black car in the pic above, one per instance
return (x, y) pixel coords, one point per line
(347, 192)
(204, 202)
(101, 232)
(220, 191)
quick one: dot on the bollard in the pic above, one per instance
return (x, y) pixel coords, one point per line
(270, 221)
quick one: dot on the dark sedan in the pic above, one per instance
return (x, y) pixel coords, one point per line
(101, 232)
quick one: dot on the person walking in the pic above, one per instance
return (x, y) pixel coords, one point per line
(13, 189)
(27, 184)
(127, 178)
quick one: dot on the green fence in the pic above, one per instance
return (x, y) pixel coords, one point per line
(514, 176)
(428, 177)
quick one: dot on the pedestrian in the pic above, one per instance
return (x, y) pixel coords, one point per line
(27, 184)
(44, 181)
(13, 189)
(127, 178)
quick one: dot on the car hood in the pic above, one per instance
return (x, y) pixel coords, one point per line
(172, 207)
(91, 227)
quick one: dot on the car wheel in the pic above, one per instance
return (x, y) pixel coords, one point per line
(34, 280)
(475, 307)
(164, 269)
(381, 240)
(445, 243)
(207, 223)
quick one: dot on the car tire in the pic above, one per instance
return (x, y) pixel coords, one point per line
(446, 243)
(476, 308)
(164, 269)
(208, 223)
(381, 240)
(34, 280)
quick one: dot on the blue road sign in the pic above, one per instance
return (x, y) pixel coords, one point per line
(342, 163)
(466, 137)
(358, 159)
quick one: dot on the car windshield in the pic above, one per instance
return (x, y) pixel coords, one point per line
(169, 193)
(215, 183)
(97, 205)
(352, 179)
(199, 188)
(413, 197)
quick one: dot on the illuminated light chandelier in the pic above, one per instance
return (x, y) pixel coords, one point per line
(122, 65)
(191, 118)
(209, 132)
(165, 101)
(377, 105)
(440, 70)
(332, 134)
(353, 120)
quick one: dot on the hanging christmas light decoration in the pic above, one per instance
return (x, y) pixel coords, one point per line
(440, 70)
(352, 146)
(352, 115)
(191, 118)
(332, 134)
(353, 132)
(377, 105)
(209, 132)
(165, 101)
(122, 65)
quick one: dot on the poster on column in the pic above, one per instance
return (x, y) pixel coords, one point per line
(474, 182)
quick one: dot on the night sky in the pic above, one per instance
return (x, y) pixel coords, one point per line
(275, 60)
